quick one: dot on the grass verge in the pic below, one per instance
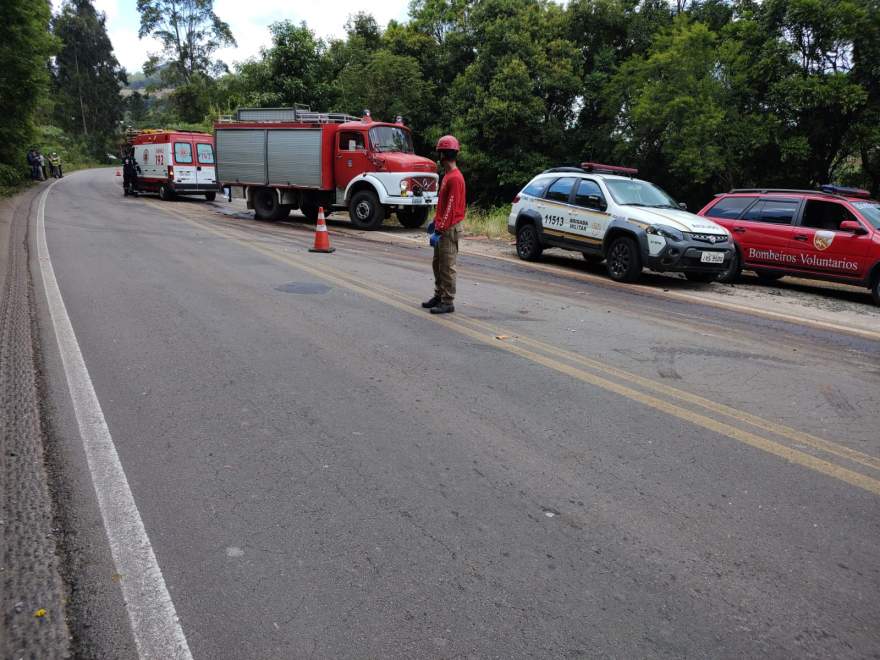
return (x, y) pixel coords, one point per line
(491, 223)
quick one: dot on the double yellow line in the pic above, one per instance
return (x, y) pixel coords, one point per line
(725, 421)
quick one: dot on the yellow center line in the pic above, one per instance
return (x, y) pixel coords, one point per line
(471, 328)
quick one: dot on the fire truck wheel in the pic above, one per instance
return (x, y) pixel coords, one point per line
(365, 210)
(210, 196)
(734, 269)
(528, 243)
(266, 204)
(412, 218)
(165, 193)
(623, 261)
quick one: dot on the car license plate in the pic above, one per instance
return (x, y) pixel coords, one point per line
(418, 200)
(712, 257)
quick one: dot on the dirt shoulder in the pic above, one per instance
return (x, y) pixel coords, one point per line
(33, 623)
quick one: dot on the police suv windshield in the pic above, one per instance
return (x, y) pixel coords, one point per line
(391, 138)
(870, 211)
(633, 192)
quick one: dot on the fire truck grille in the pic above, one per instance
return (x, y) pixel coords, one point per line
(425, 183)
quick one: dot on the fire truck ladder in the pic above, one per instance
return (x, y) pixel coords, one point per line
(294, 115)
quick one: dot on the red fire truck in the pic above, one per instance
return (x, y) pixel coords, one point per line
(280, 159)
(173, 162)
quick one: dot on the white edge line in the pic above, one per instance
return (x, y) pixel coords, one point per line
(154, 622)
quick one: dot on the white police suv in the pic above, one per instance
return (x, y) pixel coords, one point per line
(605, 213)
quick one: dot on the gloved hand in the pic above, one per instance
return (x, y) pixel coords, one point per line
(434, 239)
(430, 228)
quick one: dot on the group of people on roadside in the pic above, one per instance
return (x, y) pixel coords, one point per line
(42, 167)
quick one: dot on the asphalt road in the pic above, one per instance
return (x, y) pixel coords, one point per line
(561, 469)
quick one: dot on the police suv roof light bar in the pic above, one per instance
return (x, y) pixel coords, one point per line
(609, 169)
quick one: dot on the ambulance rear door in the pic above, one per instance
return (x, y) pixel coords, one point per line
(206, 169)
(184, 161)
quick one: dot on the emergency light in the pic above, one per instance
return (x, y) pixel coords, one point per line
(843, 190)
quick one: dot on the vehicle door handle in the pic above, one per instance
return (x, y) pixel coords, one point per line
(338, 156)
(199, 168)
(739, 230)
(800, 237)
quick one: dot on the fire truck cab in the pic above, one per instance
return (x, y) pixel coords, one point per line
(279, 159)
(175, 163)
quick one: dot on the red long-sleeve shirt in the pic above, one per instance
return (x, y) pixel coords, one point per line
(450, 202)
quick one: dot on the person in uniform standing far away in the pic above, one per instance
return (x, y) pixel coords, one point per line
(129, 174)
(446, 228)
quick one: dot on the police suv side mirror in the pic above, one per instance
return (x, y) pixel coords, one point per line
(596, 202)
(683, 206)
(854, 227)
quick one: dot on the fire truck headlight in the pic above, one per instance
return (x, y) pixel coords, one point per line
(404, 186)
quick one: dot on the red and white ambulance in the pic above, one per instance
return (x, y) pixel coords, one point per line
(175, 163)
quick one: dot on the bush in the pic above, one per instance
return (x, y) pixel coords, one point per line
(491, 223)
(11, 177)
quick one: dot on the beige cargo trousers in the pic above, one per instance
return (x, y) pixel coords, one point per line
(445, 254)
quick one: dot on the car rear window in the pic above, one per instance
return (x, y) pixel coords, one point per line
(560, 191)
(205, 152)
(183, 152)
(773, 211)
(536, 188)
(730, 207)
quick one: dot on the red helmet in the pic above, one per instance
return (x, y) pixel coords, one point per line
(448, 143)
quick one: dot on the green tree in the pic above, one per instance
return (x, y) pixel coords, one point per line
(190, 33)
(87, 77)
(24, 56)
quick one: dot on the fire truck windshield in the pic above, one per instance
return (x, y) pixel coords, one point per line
(391, 138)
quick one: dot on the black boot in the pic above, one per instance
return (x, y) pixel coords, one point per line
(433, 302)
(443, 308)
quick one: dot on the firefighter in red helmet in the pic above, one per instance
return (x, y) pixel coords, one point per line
(445, 230)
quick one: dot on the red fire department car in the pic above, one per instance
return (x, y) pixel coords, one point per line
(280, 159)
(828, 234)
(175, 163)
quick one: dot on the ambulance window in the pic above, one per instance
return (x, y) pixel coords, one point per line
(351, 141)
(205, 152)
(587, 192)
(825, 215)
(183, 152)
(730, 207)
(560, 191)
(773, 211)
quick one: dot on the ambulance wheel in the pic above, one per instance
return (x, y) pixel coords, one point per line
(768, 276)
(528, 243)
(875, 289)
(365, 210)
(210, 196)
(734, 269)
(623, 260)
(412, 218)
(165, 193)
(266, 206)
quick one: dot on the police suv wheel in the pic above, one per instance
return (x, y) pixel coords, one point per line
(528, 243)
(165, 193)
(734, 269)
(412, 218)
(365, 210)
(623, 260)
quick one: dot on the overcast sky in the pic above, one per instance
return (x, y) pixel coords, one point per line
(249, 21)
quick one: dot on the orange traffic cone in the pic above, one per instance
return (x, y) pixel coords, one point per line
(322, 238)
